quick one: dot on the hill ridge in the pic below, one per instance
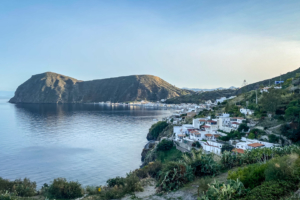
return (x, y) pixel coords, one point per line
(51, 87)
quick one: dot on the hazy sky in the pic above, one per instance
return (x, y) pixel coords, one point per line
(200, 44)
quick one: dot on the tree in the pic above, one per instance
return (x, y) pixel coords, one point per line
(243, 127)
(273, 138)
(251, 136)
(227, 147)
(165, 145)
(271, 100)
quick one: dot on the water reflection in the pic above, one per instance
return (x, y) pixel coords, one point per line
(85, 142)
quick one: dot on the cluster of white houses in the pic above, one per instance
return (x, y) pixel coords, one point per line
(206, 131)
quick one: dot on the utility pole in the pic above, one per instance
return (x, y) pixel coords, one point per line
(256, 96)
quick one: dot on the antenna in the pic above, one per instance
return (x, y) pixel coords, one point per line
(244, 83)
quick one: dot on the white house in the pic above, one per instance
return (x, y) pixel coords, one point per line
(246, 111)
(212, 146)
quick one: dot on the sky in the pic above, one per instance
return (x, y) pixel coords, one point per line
(194, 44)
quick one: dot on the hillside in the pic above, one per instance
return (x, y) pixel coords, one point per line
(266, 82)
(201, 97)
(213, 95)
(56, 88)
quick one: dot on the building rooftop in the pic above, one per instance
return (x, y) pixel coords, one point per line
(256, 145)
(238, 150)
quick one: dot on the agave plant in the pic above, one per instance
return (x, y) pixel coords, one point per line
(224, 191)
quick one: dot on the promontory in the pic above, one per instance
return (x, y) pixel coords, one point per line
(51, 87)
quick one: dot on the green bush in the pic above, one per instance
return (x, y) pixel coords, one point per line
(156, 129)
(224, 191)
(62, 189)
(196, 144)
(273, 138)
(202, 164)
(251, 176)
(6, 185)
(282, 168)
(7, 196)
(132, 183)
(165, 145)
(25, 188)
(141, 173)
(112, 193)
(243, 127)
(271, 190)
(118, 181)
(173, 176)
(154, 168)
(203, 183)
(92, 190)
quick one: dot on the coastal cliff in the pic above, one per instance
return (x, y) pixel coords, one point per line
(56, 88)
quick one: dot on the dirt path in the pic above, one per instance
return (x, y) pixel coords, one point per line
(188, 192)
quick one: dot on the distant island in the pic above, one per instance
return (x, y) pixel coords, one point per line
(51, 87)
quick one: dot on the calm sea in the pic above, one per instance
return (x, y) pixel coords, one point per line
(84, 142)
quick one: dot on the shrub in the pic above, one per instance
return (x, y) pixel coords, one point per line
(25, 188)
(112, 193)
(173, 176)
(251, 176)
(196, 144)
(229, 190)
(271, 190)
(156, 129)
(165, 145)
(132, 183)
(7, 196)
(154, 168)
(203, 183)
(202, 164)
(92, 190)
(243, 127)
(61, 189)
(229, 160)
(251, 136)
(141, 173)
(227, 147)
(6, 185)
(118, 181)
(273, 138)
(282, 168)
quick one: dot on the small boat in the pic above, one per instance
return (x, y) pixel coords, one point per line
(155, 120)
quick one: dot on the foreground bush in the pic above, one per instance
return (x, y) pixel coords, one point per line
(6, 185)
(271, 190)
(283, 168)
(251, 176)
(120, 187)
(23, 188)
(174, 175)
(7, 196)
(62, 189)
(154, 168)
(229, 190)
(118, 181)
(202, 164)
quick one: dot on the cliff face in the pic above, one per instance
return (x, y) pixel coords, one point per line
(55, 88)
